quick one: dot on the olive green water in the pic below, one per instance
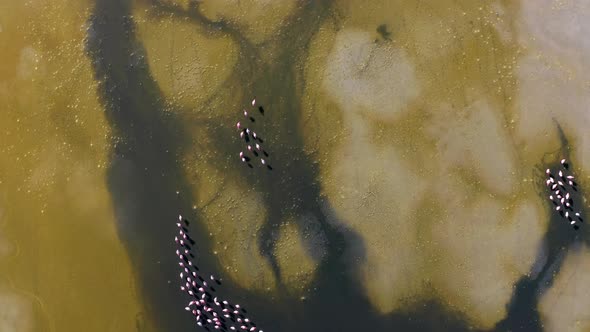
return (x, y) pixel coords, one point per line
(405, 137)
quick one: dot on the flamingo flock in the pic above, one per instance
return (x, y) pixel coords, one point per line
(559, 183)
(209, 311)
(253, 141)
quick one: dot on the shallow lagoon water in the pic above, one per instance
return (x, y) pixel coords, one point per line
(408, 142)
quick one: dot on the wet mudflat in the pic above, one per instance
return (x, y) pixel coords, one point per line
(409, 144)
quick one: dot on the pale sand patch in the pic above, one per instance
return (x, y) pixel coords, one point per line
(188, 65)
(548, 93)
(536, 111)
(363, 76)
(479, 131)
(373, 189)
(475, 137)
(560, 29)
(431, 30)
(564, 307)
(376, 195)
(495, 249)
(16, 312)
(297, 266)
(526, 225)
(553, 77)
(258, 20)
(233, 214)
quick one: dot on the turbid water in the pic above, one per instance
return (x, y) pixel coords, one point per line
(408, 142)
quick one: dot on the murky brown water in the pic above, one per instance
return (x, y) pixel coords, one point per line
(406, 140)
